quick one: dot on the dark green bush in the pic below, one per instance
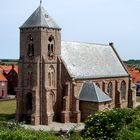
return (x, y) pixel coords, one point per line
(107, 124)
(132, 130)
(127, 134)
(75, 136)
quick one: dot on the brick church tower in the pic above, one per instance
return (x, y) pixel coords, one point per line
(40, 48)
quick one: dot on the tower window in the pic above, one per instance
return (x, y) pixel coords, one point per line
(50, 38)
(51, 47)
(31, 38)
(30, 52)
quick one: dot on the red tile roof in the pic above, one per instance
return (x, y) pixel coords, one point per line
(2, 78)
(7, 69)
(16, 68)
(135, 75)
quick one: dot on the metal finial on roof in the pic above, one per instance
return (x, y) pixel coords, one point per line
(40, 2)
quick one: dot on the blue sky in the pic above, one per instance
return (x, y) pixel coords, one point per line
(96, 21)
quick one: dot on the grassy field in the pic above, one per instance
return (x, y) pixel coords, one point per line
(7, 109)
(8, 63)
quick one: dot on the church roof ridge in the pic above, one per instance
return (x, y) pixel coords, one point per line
(40, 18)
(90, 43)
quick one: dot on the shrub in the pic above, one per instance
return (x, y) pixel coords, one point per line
(132, 130)
(106, 124)
(75, 136)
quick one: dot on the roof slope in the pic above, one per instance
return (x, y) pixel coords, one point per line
(92, 93)
(84, 60)
(40, 18)
(2, 78)
(7, 69)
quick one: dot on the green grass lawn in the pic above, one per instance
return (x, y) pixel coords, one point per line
(7, 109)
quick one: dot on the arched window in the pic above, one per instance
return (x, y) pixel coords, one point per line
(110, 89)
(51, 47)
(51, 76)
(123, 90)
(30, 52)
(103, 87)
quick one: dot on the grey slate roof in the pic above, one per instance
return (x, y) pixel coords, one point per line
(85, 60)
(92, 93)
(40, 18)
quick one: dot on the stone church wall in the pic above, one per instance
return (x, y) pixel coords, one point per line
(103, 83)
(73, 113)
(88, 108)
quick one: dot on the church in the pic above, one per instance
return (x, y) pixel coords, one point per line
(66, 81)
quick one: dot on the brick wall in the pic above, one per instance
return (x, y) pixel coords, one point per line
(3, 89)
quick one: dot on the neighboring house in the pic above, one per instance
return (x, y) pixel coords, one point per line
(66, 81)
(3, 86)
(135, 76)
(11, 74)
